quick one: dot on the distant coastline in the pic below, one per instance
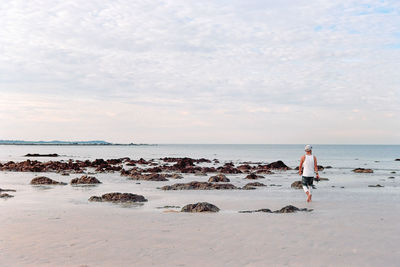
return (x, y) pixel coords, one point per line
(67, 143)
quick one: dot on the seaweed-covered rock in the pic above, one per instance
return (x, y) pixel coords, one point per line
(199, 186)
(200, 207)
(42, 180)
(119, 197)
(85, 180)
(253, 176)
(362, 170)
(218, 178)
(5, 195)
(41, 155)
(279, 165)
(297, 185)
(290, 209)
(148, 177)
(251, 186)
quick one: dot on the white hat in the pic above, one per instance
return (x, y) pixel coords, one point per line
(308, 148)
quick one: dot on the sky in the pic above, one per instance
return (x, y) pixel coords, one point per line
(209, 71)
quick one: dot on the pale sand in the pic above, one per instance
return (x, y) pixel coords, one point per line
(100, 234)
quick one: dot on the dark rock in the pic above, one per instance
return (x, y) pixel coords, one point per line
(218, 178)
(5, 195)
(85, 180)
(278, 185)
(297, 185)
(279, 165)
(119, 197)
(174, 176)
(328, 167)
(199, 186)
(41, 155)
(184, 163)
(323, 179)
(169, 207)
(252, 211)
(42, 180)
(397, 159)
(244, 168)
(200, 174)
(253, 176)
(148, 177)
(378, 185)
(362, 170)
(200, 207)
(256, 184)
(7, 190)
(290, 209)
(391, 177)
(155, 169)
(252, 186)
(393, 172)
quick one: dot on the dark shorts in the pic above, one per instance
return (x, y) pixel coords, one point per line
(307, 180)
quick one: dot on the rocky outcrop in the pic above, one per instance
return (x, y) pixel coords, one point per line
(42, 180)
(148, 177)
(119, 197)
(218, 178)
(200, 207)
(297, 185)
(286, 209)
(228, 168)
(253, 176)
(85, 180)
(362, 170)
(199, 186)
(278, 165)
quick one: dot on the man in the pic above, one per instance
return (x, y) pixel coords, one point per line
(308, 166)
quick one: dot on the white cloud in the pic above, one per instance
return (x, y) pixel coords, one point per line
(199, 64)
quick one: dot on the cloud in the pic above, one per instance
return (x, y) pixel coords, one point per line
(200, 62)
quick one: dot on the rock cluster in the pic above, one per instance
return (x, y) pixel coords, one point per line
(85, 180)
(218, 178)
(286, 209)
(118, 197)
(199, 186)
(362, 170)
(42, 180)
(200, 207)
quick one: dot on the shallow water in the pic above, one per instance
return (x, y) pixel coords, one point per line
(353, 211)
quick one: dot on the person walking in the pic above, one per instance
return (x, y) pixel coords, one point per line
(308, 166)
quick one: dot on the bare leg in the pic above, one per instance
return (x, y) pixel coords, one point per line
(308, 192)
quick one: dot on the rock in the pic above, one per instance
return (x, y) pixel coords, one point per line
(397, 159)
(323, 179)
(290, 209)
(252, 211)
(279, 165)
(85, 180)
(184, 163)
(278, 185)
(42, 180)
(7, 190)
(41, 155)
(391, 177)
(148, 177)
(393, 172)
(362, 170)
(169, 207)
(328, 167)
(119, 197)
(253, 176)
(218, 178)
(378, 185)
(252, 186)
(200, 207)
(199, 186)
(174, 176)
(5, 195)
(297, 185)
(200, 174)
(286, 209)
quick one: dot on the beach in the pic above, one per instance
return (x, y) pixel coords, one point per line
(350, 224)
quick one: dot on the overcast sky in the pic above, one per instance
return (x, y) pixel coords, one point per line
(208, 71)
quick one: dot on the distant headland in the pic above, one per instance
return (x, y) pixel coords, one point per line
(66, 143)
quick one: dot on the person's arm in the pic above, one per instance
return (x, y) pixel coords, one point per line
(301, 165)
(316, 167)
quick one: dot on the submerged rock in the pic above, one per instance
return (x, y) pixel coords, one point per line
(42, 180)
(119, 197)
(362, 170)
(297, 185)
(7, 190)
(41, 155)
(286, 209)
(200, 207)
(5, 195)
(199, 186)
(174, 176)
(85, 180)
(253, 176)
(148, 177)
(218, 178)
(378, 185)
(251, 186)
